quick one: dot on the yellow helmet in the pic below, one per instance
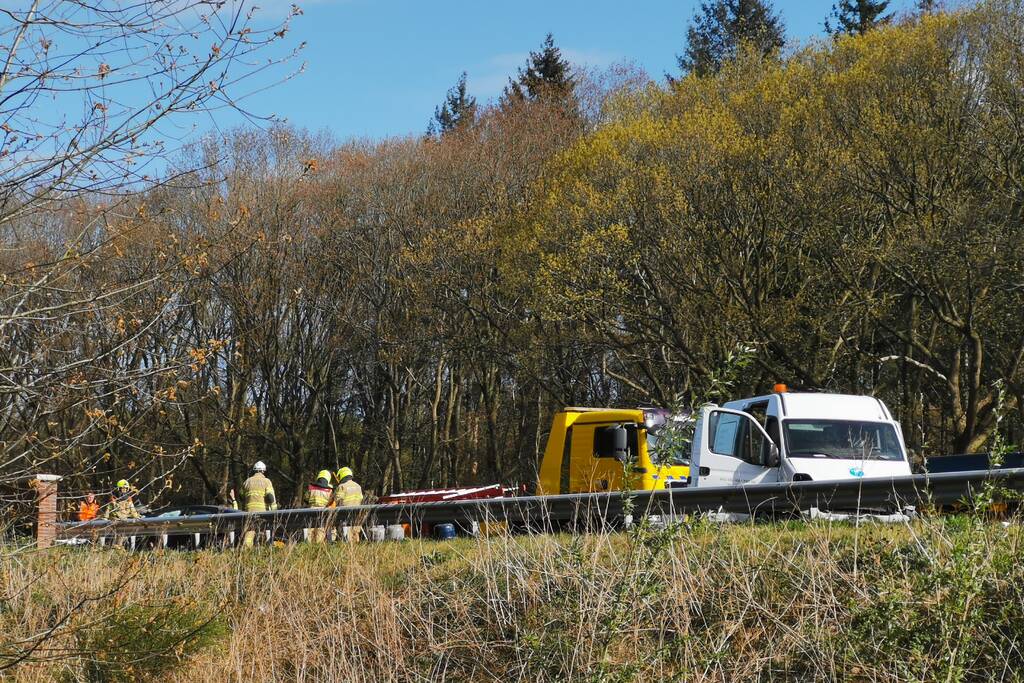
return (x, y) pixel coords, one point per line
(324, 474)
(344, 472)
(123, 484)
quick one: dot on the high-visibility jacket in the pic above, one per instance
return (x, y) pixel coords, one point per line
(348, 493)
(122, 507)
(258, 494)
(88, 511)
(318, 496)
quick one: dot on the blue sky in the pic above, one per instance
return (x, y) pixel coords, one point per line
(376, 69)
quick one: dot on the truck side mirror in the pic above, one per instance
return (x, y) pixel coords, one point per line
(611, 442)
(773, 456)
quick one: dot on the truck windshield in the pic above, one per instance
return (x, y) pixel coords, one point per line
(843, 439)
(668, 448)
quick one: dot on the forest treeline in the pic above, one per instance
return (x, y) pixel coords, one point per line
(417, 308)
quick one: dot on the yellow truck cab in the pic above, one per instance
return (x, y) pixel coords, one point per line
(591, 450)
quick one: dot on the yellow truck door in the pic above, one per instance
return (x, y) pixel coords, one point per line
(589, 471)
(571, 462)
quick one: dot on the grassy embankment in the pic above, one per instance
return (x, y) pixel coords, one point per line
(940, 599)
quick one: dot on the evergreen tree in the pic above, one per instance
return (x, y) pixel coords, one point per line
(546, 75)
(721, 26)
(858, 16)
(458, 109)
(928, 6)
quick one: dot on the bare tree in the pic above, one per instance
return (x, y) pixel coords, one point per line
(93, 99)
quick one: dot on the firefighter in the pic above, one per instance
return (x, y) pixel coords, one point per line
(318, 495)
(257, 496)
(122, 502)
(348, 493)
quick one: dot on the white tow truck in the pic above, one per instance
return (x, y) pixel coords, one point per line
(785, 436)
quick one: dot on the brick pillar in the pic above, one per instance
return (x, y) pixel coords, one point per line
(46, 494)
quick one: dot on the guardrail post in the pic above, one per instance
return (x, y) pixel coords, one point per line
(46, 497)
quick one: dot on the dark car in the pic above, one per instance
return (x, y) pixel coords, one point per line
(189, 541)
(188, 511)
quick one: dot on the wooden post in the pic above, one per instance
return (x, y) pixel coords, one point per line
(46, 495)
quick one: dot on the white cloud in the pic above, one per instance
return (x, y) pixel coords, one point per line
(508, 60)
(596, 58)
(488, 79)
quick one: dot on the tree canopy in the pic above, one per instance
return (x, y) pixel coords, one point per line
(457, 110)
(722, 27)
(860, 16)
(546, 75)
(418, 308)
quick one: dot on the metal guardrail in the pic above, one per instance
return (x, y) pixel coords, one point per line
(964, 462)
(587, 510)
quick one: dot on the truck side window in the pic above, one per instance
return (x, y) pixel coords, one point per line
(736, 436)
(604, 438)
(759, 411)
(772, 427)
(751, 443)
(563, 472)
(756, 450)
(723, 429)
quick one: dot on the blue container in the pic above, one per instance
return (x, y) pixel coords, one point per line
(444, 532)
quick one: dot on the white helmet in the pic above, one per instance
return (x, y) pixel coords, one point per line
(259, 467)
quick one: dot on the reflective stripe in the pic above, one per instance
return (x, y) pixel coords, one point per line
(348, 493)
(257, 493)
(122, 508)
(317, 496)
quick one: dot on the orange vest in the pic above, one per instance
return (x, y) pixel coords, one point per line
(88, 511)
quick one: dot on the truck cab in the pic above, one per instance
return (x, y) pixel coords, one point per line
(591, 450)
(786, 436)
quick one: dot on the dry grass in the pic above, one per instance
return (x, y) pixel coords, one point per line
(935, 600)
